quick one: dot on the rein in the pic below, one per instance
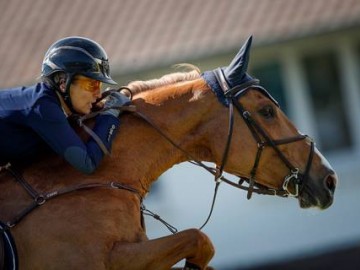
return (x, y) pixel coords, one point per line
(257, 132)
(263, 140)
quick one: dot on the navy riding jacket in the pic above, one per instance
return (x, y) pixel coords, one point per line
(32, 120)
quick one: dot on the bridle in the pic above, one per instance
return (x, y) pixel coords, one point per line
(231, 97)
(263, 139)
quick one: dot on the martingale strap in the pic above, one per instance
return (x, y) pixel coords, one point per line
(40, 198)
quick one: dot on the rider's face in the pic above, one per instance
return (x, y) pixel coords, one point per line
(83, 93)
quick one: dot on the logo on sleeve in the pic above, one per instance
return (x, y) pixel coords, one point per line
(111, 132)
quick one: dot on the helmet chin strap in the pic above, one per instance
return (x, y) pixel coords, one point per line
(66, 93)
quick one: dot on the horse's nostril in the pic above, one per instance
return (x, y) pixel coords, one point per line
(330, 182)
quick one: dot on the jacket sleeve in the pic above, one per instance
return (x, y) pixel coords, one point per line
(49, 122)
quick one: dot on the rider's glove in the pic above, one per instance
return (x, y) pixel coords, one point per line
(115, 99)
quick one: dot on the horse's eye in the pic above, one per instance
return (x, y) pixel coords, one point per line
(267, 112)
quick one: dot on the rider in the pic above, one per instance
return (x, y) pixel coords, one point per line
(34, 118)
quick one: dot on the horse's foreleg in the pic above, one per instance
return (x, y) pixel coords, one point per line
(162, 253)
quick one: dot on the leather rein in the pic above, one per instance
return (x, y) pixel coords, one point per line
(263, 139)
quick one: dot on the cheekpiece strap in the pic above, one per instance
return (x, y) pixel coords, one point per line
(221, 80)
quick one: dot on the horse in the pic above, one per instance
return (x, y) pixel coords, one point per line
(62, 219)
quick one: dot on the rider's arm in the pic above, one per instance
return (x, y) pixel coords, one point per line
(49, 121)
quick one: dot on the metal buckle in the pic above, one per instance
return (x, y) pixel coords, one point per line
(294, 175)
(40, 200)
(10, 224)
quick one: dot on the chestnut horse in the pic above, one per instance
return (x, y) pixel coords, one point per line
(222, 116)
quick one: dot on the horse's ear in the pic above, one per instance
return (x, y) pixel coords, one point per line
(235, 72)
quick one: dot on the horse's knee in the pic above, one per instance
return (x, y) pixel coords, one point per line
(202, 243)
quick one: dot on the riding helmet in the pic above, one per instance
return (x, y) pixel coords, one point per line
(77, 56)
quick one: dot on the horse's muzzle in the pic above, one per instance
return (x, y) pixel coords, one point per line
(319, 193)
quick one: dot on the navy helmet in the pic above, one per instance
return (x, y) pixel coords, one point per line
(77, 56)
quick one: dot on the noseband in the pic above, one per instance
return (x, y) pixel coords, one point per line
(295, 177)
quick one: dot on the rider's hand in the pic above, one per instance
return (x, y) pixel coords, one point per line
(115, 99)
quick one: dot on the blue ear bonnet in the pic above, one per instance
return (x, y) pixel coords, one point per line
(233, 80)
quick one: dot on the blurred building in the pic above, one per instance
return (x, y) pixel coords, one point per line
(306, 53)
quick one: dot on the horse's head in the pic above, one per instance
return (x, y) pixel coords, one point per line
(264, 147)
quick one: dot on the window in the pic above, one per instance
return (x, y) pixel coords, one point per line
(323, 79)
(270, 78)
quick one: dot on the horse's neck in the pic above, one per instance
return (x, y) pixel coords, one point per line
(140, 152)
